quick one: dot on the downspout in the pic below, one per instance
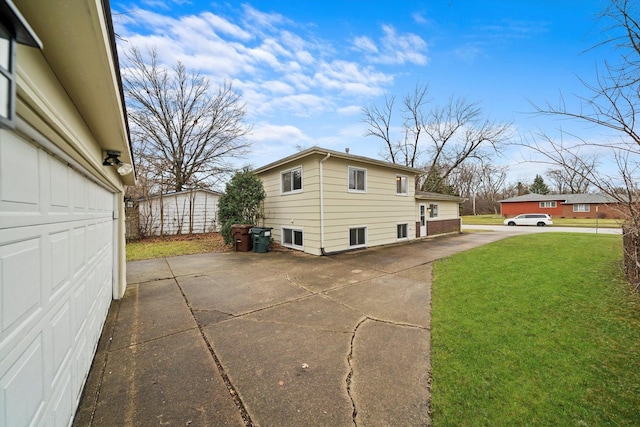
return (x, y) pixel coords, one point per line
(322, 206)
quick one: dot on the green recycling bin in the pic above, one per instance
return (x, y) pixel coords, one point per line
(261, 238)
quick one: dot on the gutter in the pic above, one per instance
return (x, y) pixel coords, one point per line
(322, 206)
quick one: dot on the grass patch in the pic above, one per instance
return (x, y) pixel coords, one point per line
(536, 330)
(562, 222)
(160, 247)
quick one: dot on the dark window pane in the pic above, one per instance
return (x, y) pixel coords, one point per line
(286, 236)
(297, 238)
(297, 179)
(5, 48)
(286, 182)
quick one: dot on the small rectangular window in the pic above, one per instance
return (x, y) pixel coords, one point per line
(401, 184)
(582, 208)
(357, 179)
(292, 238)
(291, 180)
(548, 204)
(357, 237)
(402, 231)
(433, 210)
(7, 78)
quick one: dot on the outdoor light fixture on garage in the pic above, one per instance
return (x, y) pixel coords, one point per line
(112, 159)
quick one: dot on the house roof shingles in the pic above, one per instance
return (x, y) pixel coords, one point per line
(323, 152)
(567, 199)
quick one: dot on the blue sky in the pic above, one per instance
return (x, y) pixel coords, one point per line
(306, 68)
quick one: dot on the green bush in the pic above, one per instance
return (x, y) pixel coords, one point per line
(241, 203)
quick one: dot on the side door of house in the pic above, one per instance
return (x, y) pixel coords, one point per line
(423, 219)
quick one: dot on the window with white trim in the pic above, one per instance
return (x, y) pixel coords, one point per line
(401, 185)
(13, 29)
(291, 181)
(402, 231)
(551, 204)
(581, 207)
(357, 237)
(292, 238)
(357, 179)
(433, 210)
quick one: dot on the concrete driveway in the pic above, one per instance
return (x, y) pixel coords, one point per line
(276, 339)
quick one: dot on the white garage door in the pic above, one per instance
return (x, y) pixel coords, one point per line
(56, 258)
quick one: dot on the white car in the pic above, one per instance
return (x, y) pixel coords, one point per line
(530, 219)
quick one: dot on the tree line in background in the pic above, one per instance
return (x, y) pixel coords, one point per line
(453, 142)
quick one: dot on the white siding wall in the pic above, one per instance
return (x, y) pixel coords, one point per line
(182, 213)
(447, 209)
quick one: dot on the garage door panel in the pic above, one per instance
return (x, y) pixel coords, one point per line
(56, 268)
(20, 161)
(64, 405)
(61, 340)
(60, 261)
(21, 282)
(24, 377)
(60, 194)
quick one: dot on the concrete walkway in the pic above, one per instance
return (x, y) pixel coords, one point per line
(276, 339)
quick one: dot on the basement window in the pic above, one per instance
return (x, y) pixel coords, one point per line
(292, 238)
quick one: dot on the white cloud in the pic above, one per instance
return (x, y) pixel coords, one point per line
(419, 18)
(226, 27)
(469, 52)
(402, 48)
(282, 71)
(261, 20)
(393, 48)
(350, 110)
(278, 87)
(266, 132)
(351, 78)
(365, 44)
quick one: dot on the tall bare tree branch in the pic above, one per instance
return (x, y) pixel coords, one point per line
(440, 139)
(189, 131)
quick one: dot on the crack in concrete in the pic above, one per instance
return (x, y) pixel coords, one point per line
(232, 391)
(390, 322)
(313, 328)
(354, 414)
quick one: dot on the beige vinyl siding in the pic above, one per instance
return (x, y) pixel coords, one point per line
(379, 209)
(298, 210)
(447, 209)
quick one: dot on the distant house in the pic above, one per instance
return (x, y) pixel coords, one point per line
(322, 201)
(562, 205)
(65, 160)
(184, 212)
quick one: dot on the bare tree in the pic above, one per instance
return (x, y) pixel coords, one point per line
(481, 183)
(439, 139)
(613, 106)
(187, 132)
(566, 180)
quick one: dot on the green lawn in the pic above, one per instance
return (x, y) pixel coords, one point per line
(536, 330)
(563, 222)
(161, 247)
